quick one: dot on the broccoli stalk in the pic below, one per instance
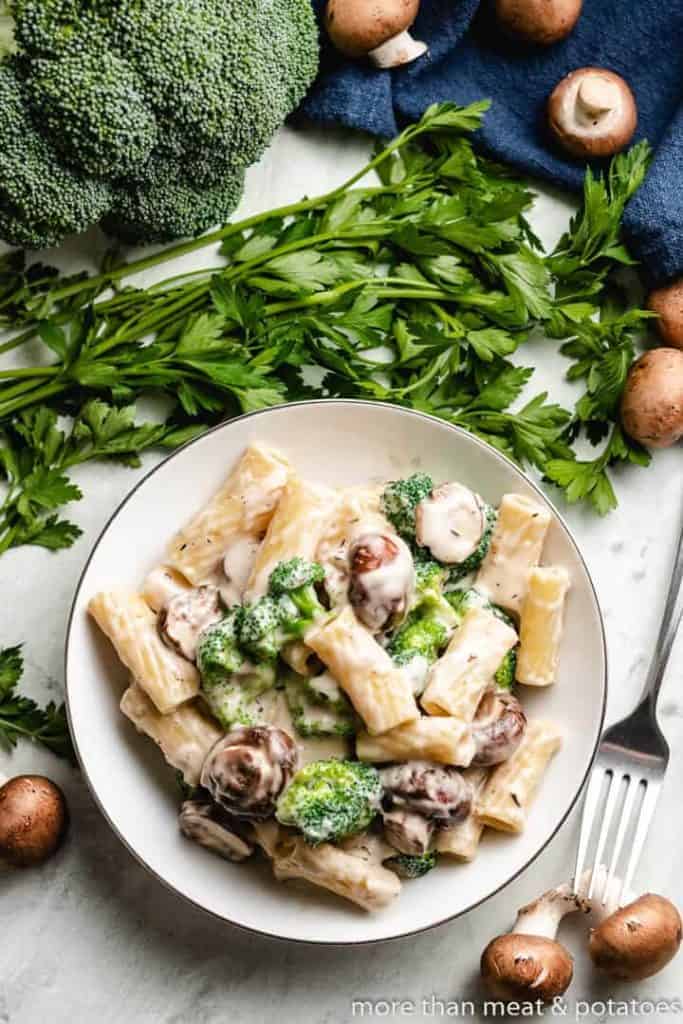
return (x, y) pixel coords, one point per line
(292, 584)
(401, 498)
(329, 800)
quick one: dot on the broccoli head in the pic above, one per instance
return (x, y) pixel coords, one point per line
(328, 800)
(400, 499)
(218, 653)
(152, 110)
(421, 635)
(410, 865)
(260, 629)
(292, 584)
(240, 699)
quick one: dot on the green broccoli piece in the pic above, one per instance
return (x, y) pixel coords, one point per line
(239, 699)
(421, 635)
(218, 653)
(400, 499)
(316, 717)
(260, 629)
(461, 601)
(471, 564)
(292, 584)
(505, 674)
(41, 200)
(408, 865)
(324, 689)
(329, 800)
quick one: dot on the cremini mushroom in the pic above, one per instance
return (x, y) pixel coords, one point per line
(247, 769)
(529, 963)
(543, 22)
(498, 727)
(592, 113)
(419, 797)
(203, 822)
(381, 580)
(378, 30)
(186, 615)
(667, 302)
(33, 820)
(637, 940)
(652, 402)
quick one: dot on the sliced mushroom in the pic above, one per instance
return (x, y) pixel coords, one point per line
(543, 22)
(498, 727)
(247, 769)
(528, 963)
(592, 113)
(667, 302)
(33, 820)
(378, 30)
(436, 792)
(407, 831)
(652, 402)
(638, 940)
(204, 823)
(382, 580)
(186, 616)
(450, 523)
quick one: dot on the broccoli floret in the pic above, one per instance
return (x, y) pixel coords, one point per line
(400, 499)
(260, 629)
(240, 699)
(324, 689)
(422, 635)
(41, 200)
(218, 653)
(292, 584)
(93, 108)
(472, 563)
(408, 865)
(313, 717)
(328, 800)
(430, 579)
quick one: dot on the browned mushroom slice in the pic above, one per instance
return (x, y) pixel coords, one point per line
(592, 113)
(437, 792)
(382, 580)
(247, 769)
(203, 822)
(378, 30)
(186, 616)
(33, 820)
(450, 523)
(498, 728)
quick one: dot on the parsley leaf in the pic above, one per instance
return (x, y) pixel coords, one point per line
(22, 718)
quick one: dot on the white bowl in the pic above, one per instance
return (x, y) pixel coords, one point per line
(338, 443)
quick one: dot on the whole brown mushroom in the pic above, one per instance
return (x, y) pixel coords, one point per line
(543, 22)
(637, 940)
(378, 30)
(528, 963)
(33, 820)
(667, 302)
(652, 402)
(592, 113)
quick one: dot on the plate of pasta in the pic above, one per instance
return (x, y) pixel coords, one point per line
(336, 671)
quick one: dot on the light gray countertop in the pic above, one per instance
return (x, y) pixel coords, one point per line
(92, 939)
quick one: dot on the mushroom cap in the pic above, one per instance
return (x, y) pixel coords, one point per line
(33, 820)
(357, 26)
(526, 967)
(592, 113)
(539, 21)
(668, 303)
(652, 402)
(637, 940)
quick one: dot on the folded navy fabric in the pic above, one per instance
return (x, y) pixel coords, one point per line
(469, 59)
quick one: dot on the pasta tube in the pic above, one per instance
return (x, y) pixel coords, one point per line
(379, 691)
(512, 785)
(131, 625)
(540, 626)
(516, 546)
(457, 681)
(244, 505)
(184, 737)
(462, 840)
(444, 740)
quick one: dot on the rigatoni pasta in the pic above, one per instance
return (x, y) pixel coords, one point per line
(540, 625)
(444, 740)
(516, 546)
(462, 841)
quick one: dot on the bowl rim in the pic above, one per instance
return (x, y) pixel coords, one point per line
(489, 450)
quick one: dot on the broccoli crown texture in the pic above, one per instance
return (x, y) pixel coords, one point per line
(260, 629)
(400, 499)
(293, 574)
(422, 635)
(165, 101)
(505, 674)
(240, 699)
(328, 800)
(218, 653)
(292, 584)
(409, 865)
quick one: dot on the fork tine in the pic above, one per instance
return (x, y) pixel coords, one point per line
(590, 804)
(612, 795)
(626, 812)
(647, 809)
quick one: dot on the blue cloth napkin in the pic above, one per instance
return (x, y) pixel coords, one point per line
(470, 59)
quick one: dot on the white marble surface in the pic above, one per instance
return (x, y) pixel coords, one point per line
(91, 938)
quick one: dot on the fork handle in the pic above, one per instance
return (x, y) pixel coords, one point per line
(671, 619)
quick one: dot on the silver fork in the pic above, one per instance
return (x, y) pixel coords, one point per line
(628, 772)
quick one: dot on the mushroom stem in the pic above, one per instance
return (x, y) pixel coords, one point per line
(543, 916)
(597, 96)
(401, 49)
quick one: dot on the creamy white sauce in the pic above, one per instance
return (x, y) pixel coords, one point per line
(387, 590)
(237, 565)
(450, 523)
(416, 672)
